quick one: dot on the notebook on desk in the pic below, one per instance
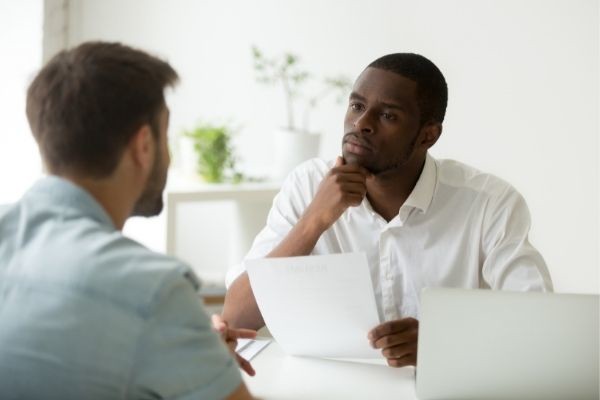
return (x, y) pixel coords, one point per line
(483, 344)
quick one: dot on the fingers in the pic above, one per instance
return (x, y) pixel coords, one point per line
(354, 188)
(241, 333)
(230, 337)
(399, 351)
(231, 345)
(340, 165)
(345, 188)
(221, 326)
(350, 193)
(395, 339)
(354, 199)
(218, 323)
(409, 359)
(245, 365)
(398, 340)
(350, 198)
(355, 177)
(351, 168)
(392, 327)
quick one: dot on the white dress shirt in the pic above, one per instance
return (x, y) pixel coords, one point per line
(458, 228)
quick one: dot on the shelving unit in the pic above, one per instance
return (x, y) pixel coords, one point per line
(212, 226)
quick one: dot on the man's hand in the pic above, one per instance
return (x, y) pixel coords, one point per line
(230, 337)
(398, 341)
(344, 186)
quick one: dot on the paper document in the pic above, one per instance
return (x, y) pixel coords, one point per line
(248, 348)
(321, 306)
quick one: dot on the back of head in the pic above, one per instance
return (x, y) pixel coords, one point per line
(87, 102)
(432, 91)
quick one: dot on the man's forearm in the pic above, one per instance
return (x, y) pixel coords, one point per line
(300, 241)
(240, 309)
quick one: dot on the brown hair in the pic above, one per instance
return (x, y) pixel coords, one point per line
(85, 105)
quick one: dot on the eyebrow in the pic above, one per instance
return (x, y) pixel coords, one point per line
(397, 106)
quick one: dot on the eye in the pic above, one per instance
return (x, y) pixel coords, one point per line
(388, 116)
(356, 106)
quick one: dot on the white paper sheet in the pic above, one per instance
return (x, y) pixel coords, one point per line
(321, 306)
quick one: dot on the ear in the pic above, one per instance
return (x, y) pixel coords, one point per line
(141, 148)
(430, 133)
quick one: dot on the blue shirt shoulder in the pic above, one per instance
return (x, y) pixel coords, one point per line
(89, 313)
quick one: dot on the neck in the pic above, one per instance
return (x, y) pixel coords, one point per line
(114, 198)
(388, 191)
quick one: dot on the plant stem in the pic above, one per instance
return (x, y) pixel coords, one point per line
(312, 104)
(305, 121)
(288, 101)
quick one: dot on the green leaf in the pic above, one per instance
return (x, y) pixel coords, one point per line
(290, 59)
(212, 143)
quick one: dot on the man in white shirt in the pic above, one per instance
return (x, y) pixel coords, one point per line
(422, 222)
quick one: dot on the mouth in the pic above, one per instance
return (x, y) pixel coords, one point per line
(353, 144)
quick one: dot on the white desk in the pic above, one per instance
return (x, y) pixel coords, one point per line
(283, 377)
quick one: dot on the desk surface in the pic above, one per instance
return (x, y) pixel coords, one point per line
(279, 376)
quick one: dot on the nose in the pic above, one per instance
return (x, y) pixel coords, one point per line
(364, 123)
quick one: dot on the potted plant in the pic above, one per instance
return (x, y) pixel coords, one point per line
(297, 141)
(215, 159)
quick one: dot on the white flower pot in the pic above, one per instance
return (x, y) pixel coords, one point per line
(291, 149)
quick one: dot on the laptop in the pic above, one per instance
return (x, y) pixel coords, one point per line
(484, 344)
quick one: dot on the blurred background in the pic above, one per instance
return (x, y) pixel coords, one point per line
(523, 103)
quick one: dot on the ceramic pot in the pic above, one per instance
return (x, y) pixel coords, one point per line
(291, 149)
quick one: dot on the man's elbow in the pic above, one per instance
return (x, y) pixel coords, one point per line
(240, 309)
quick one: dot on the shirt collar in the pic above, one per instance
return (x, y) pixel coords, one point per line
(62, 192)
(422, 194)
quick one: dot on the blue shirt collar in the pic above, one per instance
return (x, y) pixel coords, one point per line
(64, 193)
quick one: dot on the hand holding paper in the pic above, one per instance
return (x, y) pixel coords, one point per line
(321, 306)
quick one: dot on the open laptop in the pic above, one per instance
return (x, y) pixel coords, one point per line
(484, 344)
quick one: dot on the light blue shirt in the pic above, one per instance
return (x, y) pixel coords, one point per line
(86, 313)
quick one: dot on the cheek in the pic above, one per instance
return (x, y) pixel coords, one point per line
(391, 146)
(348, 121)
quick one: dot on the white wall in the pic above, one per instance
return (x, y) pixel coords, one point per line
(523, 80)
(21, 50)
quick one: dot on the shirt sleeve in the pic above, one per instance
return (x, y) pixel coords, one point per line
(510, 261)
(178, 355)
(297, 191)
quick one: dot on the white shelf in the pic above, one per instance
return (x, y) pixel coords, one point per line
(234, 223)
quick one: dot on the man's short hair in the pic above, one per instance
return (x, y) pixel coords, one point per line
(432, 91)
(86, 103)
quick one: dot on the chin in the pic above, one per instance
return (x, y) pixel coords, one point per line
(358, 160)
(350, 158)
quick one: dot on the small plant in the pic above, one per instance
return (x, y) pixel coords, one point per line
(216, 160)
(286, 70)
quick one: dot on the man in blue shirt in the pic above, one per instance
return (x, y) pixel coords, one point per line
(84, 311)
